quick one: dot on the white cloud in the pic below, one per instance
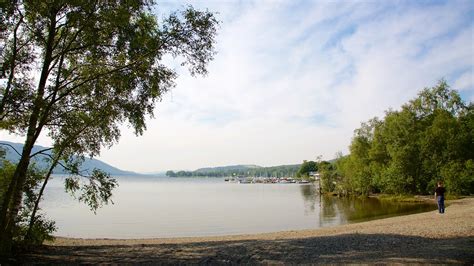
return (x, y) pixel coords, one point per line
(170, 145)
(465, 81)
(293, 80)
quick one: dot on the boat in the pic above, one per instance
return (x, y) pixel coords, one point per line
(303, 182)
(243, 180)
(288, 180)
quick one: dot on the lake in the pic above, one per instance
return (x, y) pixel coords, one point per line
(179, 207)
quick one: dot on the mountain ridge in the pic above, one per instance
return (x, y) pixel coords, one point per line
(240, 170)
(12, 149)
(228, 167)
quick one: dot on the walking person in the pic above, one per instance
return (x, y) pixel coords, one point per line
(439, 196)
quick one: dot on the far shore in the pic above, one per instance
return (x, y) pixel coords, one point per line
(418, 238)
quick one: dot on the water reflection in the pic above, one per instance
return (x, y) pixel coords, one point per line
(171, 207)
(310, 197)
(333, 210)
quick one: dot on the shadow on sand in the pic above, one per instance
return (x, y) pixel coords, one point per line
(349, 248)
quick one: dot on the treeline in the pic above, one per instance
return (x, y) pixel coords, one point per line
(308, 167)
(431, 138)
(274, 171)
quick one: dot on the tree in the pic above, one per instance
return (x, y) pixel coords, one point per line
(328, 176)
(307, 167)
(171, 173)
(357, 167)
(100, 64)
(401, 135)
(42, 227)
(431, 138)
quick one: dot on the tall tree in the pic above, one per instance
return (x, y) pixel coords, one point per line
(431, 138)
(307, 167)
(68, 63)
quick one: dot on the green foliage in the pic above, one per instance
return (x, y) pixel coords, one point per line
(431, 138)
(95, 192)
(459, 177)
(255, 171)
(306, 168)
(41, 231)
(6, 172)
(81, 69)
(42, 228)
(328, 177)
(170, 173)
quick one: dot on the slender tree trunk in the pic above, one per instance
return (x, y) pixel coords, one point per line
(6, 93)
(14, 195)
(40, 194)
(8, 204)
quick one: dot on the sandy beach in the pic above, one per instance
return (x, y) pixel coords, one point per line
(419, 238)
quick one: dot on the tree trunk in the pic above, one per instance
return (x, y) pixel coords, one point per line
(40, 194)
(13, 59)
(13, 198)
(7, 216)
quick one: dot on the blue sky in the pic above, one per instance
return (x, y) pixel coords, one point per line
(293, 79)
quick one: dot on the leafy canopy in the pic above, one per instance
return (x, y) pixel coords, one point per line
(431, 138)
(77, 70)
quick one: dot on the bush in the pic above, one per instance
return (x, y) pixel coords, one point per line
(459, 177)
(41, 231)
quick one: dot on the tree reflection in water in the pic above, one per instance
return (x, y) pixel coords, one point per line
(333, 210)
(311, 197)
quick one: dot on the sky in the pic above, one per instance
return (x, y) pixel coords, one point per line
(293, 79)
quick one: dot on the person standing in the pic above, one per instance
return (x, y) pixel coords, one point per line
(439, 196)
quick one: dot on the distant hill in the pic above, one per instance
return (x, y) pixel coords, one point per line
(227, 168)
(155, 174)
(239, 170)
(88, 165)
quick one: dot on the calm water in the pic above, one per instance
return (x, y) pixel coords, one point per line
(174, 207)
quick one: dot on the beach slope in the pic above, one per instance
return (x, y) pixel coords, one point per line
(419, 238)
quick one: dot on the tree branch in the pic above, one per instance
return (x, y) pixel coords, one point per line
(13, 148)
(64, 166)
(40, 152)
(12, 66)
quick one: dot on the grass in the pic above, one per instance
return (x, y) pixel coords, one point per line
(453, 197)
(403, 198)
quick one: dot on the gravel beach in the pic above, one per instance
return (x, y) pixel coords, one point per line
(419, 238)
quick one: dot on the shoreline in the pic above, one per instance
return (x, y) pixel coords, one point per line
(332, 230)
(422, 233)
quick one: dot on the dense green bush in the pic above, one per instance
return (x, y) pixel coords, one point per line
(41, 228)
(431, 138)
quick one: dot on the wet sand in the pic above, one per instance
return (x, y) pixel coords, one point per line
(419, 238)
